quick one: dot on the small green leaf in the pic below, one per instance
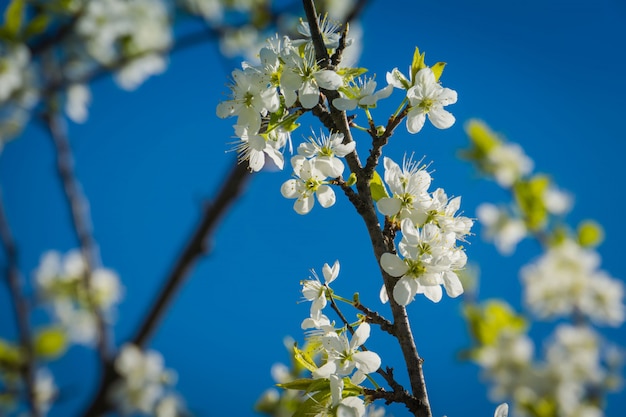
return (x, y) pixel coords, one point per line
(418, 63)
(304, 359)
(482, 137)
(438, 69)
(351, 180)
(590, 234)
(10, 355)
(37, 25)
(377, 188)
(50, 342)
(312, 405)
(13, 17)
(350, 73)
(301, 384)
(529, 197)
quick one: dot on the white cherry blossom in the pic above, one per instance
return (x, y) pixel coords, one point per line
(427, 98)
(431, 259)
(327, 151)
(505, 231)
(361, 93)
(302, 75)
(313, 290)
(309, 181)
(409, 190)
(344, 356)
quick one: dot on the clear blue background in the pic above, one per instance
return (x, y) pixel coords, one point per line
(547, 74)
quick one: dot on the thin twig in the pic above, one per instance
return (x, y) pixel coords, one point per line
(20, 307)
(373, 317)
(81, 220)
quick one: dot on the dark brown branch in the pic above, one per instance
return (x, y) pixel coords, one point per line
(196, 247)
(379, 141)
(373, 317)
(381, 243)
(20, 307)
(387, 375)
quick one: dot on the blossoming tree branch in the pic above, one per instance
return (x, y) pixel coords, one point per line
(417, 234)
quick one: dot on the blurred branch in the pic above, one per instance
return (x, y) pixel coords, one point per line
(197, 246)
(231, 189)
(20, 306)
(80, 216)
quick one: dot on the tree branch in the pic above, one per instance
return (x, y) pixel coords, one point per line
(81, 219)
(196, 246)
(20, 307)
(381, 243)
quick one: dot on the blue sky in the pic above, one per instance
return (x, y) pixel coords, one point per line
(548, 75)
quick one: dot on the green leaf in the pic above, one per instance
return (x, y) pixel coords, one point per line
(351, 180)
(304, 359)
(438, 69)
(590, 234)
(529, 197)
(50, 342)
(13, 17)
(312, 405)
(301, 384)
(418, 63)
(37, 25)
(377, 188)
(350, 73)
(10, 355)
(482, 137)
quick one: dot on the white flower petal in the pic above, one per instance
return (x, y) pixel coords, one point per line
(393, 265)
(303, 205)
(389, 206)
(367, 361)
(415, 120)
(452, 284)
(325, 195)
(404, 291)
(328, 79)
(440, 118)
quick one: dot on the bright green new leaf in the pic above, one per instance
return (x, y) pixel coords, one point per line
(483, 138)
(13, 17)
(418, 62)
(301, 384)
(529, 197)
(351, 73)
(492, 318)
(304, 359)
(50, 342)
(590, 234)
(377, 188)
(438, 69)
(351, 180)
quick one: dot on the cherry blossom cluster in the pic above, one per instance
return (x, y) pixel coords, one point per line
(61, 282)
(537, 197)
(577, 367)
(343, 357)
(267, 99)
(430, 231)
(565, 281)
(144, 384)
